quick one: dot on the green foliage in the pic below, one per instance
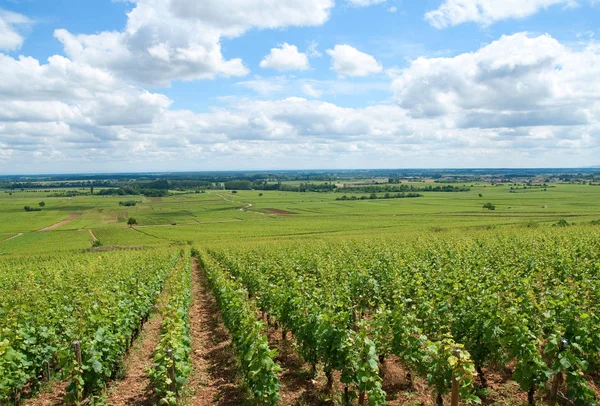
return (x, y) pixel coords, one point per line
(29, 208)
(131, 221)
(128, 203)
(41, 204)
(502, 298)
(252, 346)
(81, 297)
(489, 206)
(175, 335)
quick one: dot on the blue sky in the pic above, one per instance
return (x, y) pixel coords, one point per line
(161, 85)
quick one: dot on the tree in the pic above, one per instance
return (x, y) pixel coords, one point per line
(489, 206)
(92, 189)
(234, 192)
(260, 194)
(42, 204)
(131, 222)
(480, 195)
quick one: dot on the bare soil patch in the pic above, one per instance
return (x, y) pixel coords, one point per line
(279, 212)
(135, 388)
(297, 385)
(214, 377)
(72, 217)
(54, 395)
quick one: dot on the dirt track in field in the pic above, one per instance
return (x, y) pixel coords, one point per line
(135, 388)
(214, 377)
(94, 238)
(14, 236)
(72, 217)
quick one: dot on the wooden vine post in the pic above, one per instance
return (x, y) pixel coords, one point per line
(171, 372)
(557, 377)
(79, 362)
(455, 385)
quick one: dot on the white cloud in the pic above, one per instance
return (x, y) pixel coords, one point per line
(485, 12)
(364, 3)
(521, 100)
(285, 58)
(312, 51)
(165, 40)
(10, 38)
(310, 91)
(234, 17)
(517, 81)
(349, 61)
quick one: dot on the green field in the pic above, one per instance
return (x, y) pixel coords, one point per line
(316, 300)
(217, 217)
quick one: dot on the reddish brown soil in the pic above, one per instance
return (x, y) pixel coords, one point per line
(279, 212)
(135, 388)
(72, 217)
(297, 387)
(214, 377)
(53, 396)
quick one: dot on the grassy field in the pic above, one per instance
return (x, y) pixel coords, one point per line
(218, 217)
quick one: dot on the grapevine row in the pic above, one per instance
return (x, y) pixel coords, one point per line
(530, 301)
(98, 301)
(251, 345)
(172, 362)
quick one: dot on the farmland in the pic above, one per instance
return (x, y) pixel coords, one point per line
(307, 297)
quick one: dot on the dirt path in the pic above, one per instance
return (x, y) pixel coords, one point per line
(53, 395)
(14, 236)
(94, 238)
(245, 208)
(135, 388)
(72, 217)
(213, 380)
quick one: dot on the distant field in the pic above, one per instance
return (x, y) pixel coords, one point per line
(217, 217)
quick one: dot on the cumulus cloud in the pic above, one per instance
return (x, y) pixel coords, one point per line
(522, 100)
(485, 12)
(285, 58)
(310, 91)
(364, 3)
(516, 81)
(10, 38)
(349, 61)
(165, 40)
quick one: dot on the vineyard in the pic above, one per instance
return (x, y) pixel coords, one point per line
(453, 312)
(444, 309)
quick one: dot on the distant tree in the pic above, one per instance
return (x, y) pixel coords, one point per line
(489, 206)
(29, 208)
(260, 194)
(92, 189)
(42, 204)
(480, 195)
(131, 222)
(234, 192)
(373, 196)
(562, 223)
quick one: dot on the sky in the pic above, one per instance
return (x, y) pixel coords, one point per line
(189, 85)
